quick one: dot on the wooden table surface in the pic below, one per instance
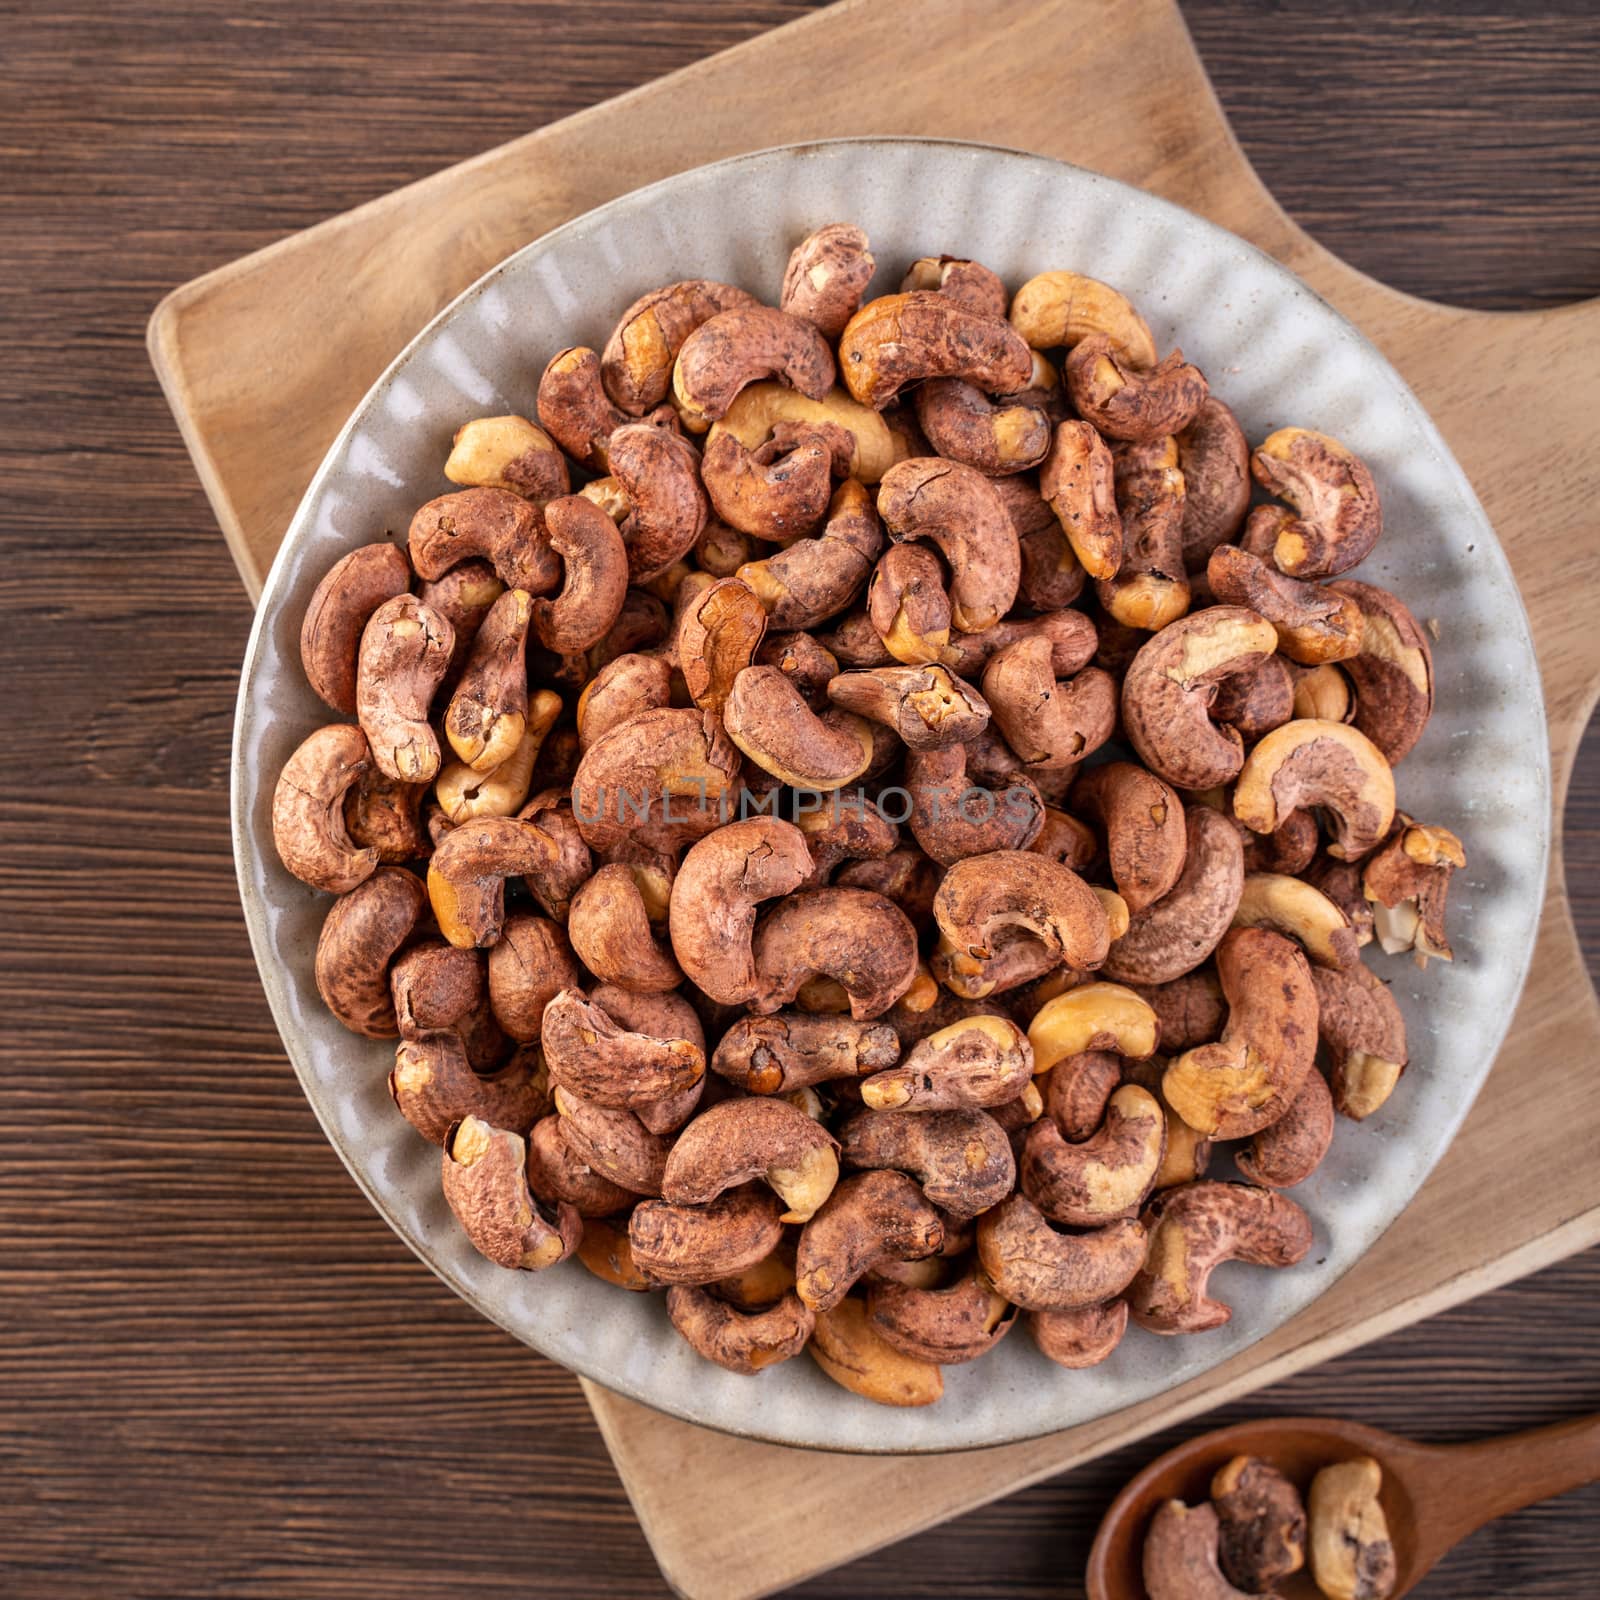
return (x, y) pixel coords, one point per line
(221, 1374)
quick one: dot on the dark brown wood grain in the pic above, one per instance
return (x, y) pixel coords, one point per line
(222, 1375)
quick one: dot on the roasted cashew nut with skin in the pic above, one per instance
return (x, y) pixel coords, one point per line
(1106, 1177)
(338, 612)
(1288, 1152)
(361, 935)
(1078, 481)
(508, 453)
(949, 1325)
(860, 939)
(1261, 1523)
(1176, 933)
(1061, 309)
(900, 339)
(721, 881)
(1143, 822)
(994, 437)
(736, 348)
(1251, 1076)
(1406, 884)
(492, 525)
(969, 283)
(1181, 1559)
(595, 567)
(1292, 907)
(485, 1175)
(849, 1350)
(815, 579)
(1305, 765)
(434, 1088)
(1169, 687)
(767, 718)
(488, 713)
(578, 413)
(405, 649)
(1051, 723)
(958, 511)
(636, 365)
(781, 490)
(464, 793)
(961, 1159)
(927, 707)
(590, 1055)
(977, 1062)
(1214, 457)
(737, 1141)
(1193, 1230)
(557, 1173)
(1392, 675)
(1338, 518)
(1360, 1024)
(1011, 889)
(719, 632)
(615, 1143)
(827, 277)
(739, 1341)
(1138, 404)
(1080, 1338)
(1315, 624)
(702, 1244)
(868, 1217)
(654, 496)
(908, 604)
(467, 873)
(659, 781)
(308, 810)
(614, 923)
(1150, 589)
(1040, 1269)
(792, 1050)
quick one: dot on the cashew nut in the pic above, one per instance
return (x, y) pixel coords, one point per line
(1056, 309)
(1337, 516)
(848, 1349)
(1255, 702)
(1315, 624)
(977, 1061)
(827, 275)
(868, 1217)
(958, 511)
(578, 413)
(1406, 884)
(909, 604)
(739, 347)
(789, 1051)
(1093, 1016)
(405, 649)
(615, 1143)
(1124, 401)
(899, 339)
(464, 793)
(1292, 907)
(968, 282)
(814, 579)
(949, 1325)
(654, 497)
(1193, 1230)
(768, 720)
(1180, 1556)
(308, 810)
(762, 408)
(1169, 687)
(508, 453)
(1150, 589)
(1080, 1338)
(485, 1176)
(1051, 723)
(1077, 481)
(857, 937)
(754, 1138)
(1306, 764)
(994, 437)
(595, 576)
(674, 1244)
(741, 1341)
(467, 873)
(961, 1159)
(1250, 1078)
(636, 366)
(660, 780)
(385, 815)
(1393, 675)
(928, 707)
(492, 525)
(360, 937)
(1262, 1523)
(1289, 1151)
(1105, 1177)
(1175, 933)
(434, 1087)
(1352, 1555)
(556, 1173)
(339, 609)
(589, 1054)
(1215, 461)
(1040, 1269)
(488, 713)
(1361, 1025)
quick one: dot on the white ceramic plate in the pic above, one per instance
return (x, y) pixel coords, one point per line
(1277, 355)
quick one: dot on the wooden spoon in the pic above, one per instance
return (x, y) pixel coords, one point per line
(1433, 1495)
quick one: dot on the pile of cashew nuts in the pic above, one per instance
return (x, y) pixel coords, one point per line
(1253, 1532)
(767, 750)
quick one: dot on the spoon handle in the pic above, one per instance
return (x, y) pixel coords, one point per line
(1479, 1482)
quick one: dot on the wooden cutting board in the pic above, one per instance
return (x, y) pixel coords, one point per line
(263, 360)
